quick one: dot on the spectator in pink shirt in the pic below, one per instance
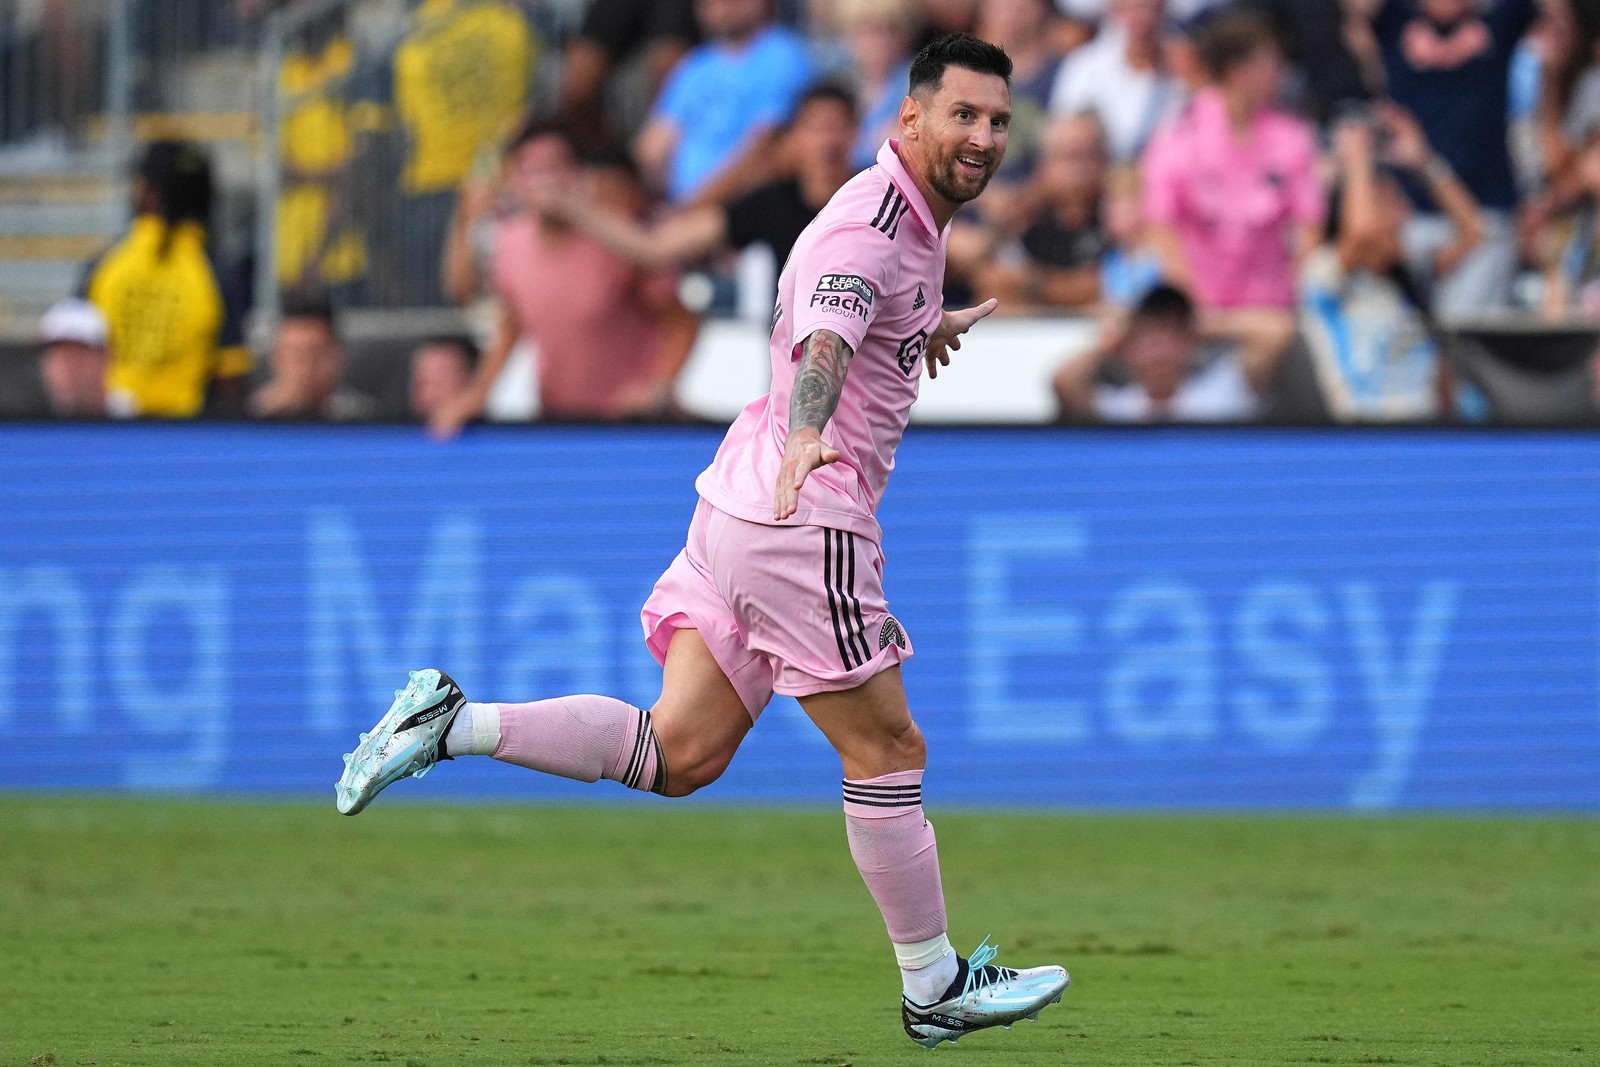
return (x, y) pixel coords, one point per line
(1232, 194)
(609, 337)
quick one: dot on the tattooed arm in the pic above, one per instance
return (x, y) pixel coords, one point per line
(817, 385)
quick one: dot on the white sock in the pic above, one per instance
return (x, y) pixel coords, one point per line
(932, 967)
(475, 731)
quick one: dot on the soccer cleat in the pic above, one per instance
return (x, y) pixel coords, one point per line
(982, 996)
(406, 743)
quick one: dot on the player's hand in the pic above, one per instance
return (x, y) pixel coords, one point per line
(947, 338)
(446, 423)
(803, 453)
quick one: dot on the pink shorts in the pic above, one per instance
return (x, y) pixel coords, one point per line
(784, 609)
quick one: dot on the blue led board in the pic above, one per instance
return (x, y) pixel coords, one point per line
(1183, 618)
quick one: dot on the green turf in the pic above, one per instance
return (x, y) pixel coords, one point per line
(135, 932)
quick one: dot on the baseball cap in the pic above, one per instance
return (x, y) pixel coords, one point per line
(74, 320)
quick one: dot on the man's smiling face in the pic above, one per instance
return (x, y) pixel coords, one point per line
(962, 128)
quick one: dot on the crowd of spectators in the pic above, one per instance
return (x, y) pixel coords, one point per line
(1227, 187)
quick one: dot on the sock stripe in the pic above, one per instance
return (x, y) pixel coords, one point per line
(630, 776)
(913, 797)
(658, 784)
(882, 794)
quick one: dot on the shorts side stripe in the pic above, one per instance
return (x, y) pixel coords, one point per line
(861, 626)
(844, 597)
(833, 604)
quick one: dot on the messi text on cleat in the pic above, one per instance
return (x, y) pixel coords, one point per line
(982, 995)
(406, 743)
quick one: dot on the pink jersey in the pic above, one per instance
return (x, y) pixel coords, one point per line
(869, 268)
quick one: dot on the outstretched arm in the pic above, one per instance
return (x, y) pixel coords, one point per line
(817, 386)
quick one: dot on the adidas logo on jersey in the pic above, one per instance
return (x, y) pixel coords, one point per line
(919, 303)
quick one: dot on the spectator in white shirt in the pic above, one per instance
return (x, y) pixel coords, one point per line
(1122, 77)
(1156, 368)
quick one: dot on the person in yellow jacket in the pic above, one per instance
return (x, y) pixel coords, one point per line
(318, 244)
(458, 82)
(175, 320)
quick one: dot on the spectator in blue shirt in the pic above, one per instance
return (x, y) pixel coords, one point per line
(1448, 62)
(719, 108)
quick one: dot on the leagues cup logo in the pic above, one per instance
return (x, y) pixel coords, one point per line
(911, 350)
(845, 295)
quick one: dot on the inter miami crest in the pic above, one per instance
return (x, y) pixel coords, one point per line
(891, 634)
(911, 350)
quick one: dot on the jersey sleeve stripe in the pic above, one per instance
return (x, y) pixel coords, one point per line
(888, 194)
(884, 221)
(893, 229)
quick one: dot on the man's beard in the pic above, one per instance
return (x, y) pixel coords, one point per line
(950, 183)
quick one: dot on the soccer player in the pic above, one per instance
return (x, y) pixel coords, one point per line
(779, 588)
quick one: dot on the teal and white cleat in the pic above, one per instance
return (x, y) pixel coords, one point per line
(982, 996)
(406, 743)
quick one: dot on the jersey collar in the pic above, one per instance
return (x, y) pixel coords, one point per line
(889, 160)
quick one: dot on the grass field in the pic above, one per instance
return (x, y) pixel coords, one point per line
(138, 932)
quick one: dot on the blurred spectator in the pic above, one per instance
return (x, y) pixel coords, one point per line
(73, 363)
(307, 361)
(174, 317)
(949, 16)
(441, 372)
(610, 339)
(315, 144)
(1328, 74)
(818, 142)
(1056, 262)
(659, 31)
(712, 127)
(1155, 369)
(460, 79)
(1572, 283)
(881, 36)
(469, 241)
(1121, 77)
(1130, 267)
(1232, 195)
(1022, 28)
(1448, 62)
(1366, 313)
(1091, 14)
(1569, 90)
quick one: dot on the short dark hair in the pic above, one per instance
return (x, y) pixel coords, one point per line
(957, 50)
(831, 91)
(178, 174)
(540, 126)
(1230, 38)
(1165, 305)
(308, 304)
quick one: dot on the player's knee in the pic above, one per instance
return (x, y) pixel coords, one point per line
(907, 747)
(896, 748)
(693, 764)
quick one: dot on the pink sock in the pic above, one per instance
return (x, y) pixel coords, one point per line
(894, 849)
(583, 737)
